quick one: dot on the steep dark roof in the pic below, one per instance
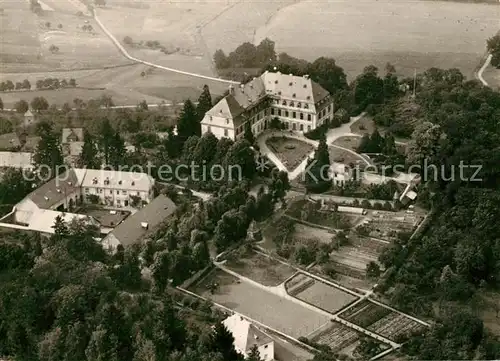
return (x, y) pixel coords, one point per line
(130, 231)
(55, 190)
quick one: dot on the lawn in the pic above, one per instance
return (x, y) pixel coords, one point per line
(339, 155)
(291, 152)
(349, 142)
(268, 308)
(262, 269)
(319, 294)
(385, 31)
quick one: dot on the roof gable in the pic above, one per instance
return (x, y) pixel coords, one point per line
(72, 135)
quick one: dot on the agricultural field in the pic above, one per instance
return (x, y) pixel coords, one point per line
(381, 320)
(291, 152)
(261, 268)
(259, 304)
(128, 85)
(385, 31)
(318, 293)
(26, 39)
(341, 339)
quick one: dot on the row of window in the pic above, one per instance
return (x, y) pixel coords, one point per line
(292, 104)
(286, 113)
(101, 191)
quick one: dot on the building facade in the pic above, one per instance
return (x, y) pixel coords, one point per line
(296, 101)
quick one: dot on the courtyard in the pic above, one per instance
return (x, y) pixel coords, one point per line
(290, 151)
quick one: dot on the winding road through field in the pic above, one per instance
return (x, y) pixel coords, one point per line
(130, 57)
(481, 71)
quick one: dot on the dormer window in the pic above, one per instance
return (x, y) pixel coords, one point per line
(120, 182)
(291, 104)
(133, 183)
(227, 121)
(275, 82)
(298, 105)
(290, 83)
(306, 106)
(294, 95)
(308, 97)
(305, 86)
(284, 102)
(279, 93)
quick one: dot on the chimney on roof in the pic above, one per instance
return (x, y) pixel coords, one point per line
(58, 190)
(144, 225)
(231, 89)
(306, 76)
(290, 74)
(256, 337)
(46, 198)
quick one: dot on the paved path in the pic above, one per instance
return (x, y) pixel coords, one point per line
(130, 57)
(481, 71)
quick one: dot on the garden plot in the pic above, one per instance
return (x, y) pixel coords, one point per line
(318, 293)
(291, 152)
(336, 336)
(305, 232)
(261, 268)
(395, 325)
(259, 304)
(352, 257)
(308, 211)
(365, 313)
(386, 225)
(381, 320)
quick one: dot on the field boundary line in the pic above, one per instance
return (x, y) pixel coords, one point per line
(130, 57)
(310, 348)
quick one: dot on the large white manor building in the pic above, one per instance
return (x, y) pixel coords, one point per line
(297, 101)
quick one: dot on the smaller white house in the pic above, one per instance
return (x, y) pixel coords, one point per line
(340, 174)
(246, 335)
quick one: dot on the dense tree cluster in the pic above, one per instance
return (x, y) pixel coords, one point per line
(458, 252)
(8, 85)
(247, 55)
(66, 299)
(55, 83)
